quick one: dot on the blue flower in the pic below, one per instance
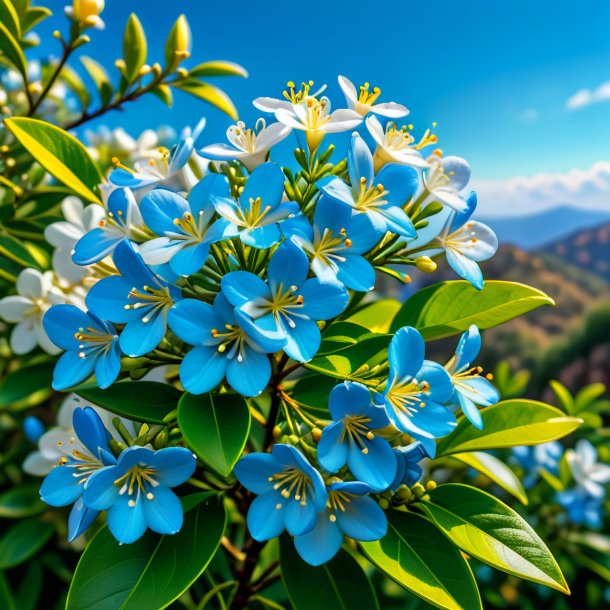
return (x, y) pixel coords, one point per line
(33, 428)
(289, 304)
(467, 242)
(137, 298)
(539, 457)
(259, 210)
(187, 228)
(136, 491)
(582, 507)
(586, 470)
(350, 438)
(382, 197)
(226, 344)
(123, 220)
(85, 454)
(408, 471)
(91, 345)
(349, 512)
(336, 243)
(169, 170)
(417, 389)
(471, 389)
(291, 492)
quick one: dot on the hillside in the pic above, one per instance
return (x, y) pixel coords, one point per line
(588, 249)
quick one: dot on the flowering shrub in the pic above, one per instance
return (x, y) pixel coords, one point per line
(216, 314)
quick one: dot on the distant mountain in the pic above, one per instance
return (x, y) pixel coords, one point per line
(537, 230)
(588, 249)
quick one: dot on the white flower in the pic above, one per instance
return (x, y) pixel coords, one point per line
(393, 145)
(36, 294)
(60, 441)
(445, 179)
(64, 235)
(363, 101)
(250, 146)
(586, 470)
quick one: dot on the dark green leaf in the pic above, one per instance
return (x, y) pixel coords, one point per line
(34, 16)
(6, 597)
(28, 593)
(11, 49)
(10, 18)
(340, 584)
(340, 335)
(418, 557)
(21, 501)
(449, 308)
(153, 571)
(144, 401)
(487, 529)
(22, 541)
(24, 382)
(509, 423)
(216, 428)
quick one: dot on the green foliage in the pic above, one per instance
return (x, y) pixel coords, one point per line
(135, 48)
(152, 572)
(216, 428)
(487, 529)
(22, 501)
(418, 557)
(11, 48)
(145, 401)
(61, 154)
(510, 385)
(22, 541)
(340, 583)
(26, 385)
(509, 423)
(449, 308)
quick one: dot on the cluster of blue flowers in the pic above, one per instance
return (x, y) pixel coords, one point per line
(133, 487)
(227, 272)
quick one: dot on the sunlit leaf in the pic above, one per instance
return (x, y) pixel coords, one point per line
(217, 68)
(209, 93)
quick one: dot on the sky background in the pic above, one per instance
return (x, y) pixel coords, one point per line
(521, 89)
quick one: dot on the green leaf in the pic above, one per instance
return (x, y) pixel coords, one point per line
(153, 571)
(364, 361)
(144, 401)
(587, 396)
(218, 68)
(30, 587)
(100, 77)
(419, 557)
(449, 308)
(12, 50)
(216, 428)
(377, 316)
(178, 44)
(509, 423)
(339, 335)
(15, 250)
(10, 18)
(312, 391)
(6, 596)
(340, 584)
(34, 16)
(61, 154)
(135, 48)
(75, 83)
(487, 529)
(495, 470)
(209, 93)
(566, 402)
(22, 541)
(25, 382)
(21, 501)
(164, 93)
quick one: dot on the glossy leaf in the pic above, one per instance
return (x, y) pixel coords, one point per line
(509, 423)
(495, 470)
(216, 428)
(151, 572)
(15, 250)
(21, 501)
(144, 401)
(209, 93)
(100, 77)
(135, 47)
(61, 154)
(487, 529)
(10, 18)
(419, 557)
(339, 335)
(34, 16)
(377, 316)
(11, 49)
(218, 68)
(22, 541)
(340, 584)
(26, 381)
(449, 308)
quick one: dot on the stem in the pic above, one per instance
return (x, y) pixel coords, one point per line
(64, 58)
(252, 549)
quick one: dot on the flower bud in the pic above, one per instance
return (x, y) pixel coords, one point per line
(178, 45)
(425, 264)
(430, 485)
(277, 432)
(316, 434)
(418, 490)
(33, 428)
(87, 12)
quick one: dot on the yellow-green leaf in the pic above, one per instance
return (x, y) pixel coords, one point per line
(12, 50)
(218, 68)
(61, 154)
(209, 93)
(100, 77)
(10, 18)
(377, 316)
(509, 423)
(135, 48)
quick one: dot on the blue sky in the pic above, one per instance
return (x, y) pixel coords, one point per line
(496, 76)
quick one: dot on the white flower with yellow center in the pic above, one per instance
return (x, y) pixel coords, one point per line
(363, 100)
(35, 294)
(446, 179)
(250, 146)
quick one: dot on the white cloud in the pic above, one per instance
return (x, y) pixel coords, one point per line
(521, 195)
(586, 97)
